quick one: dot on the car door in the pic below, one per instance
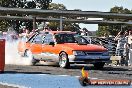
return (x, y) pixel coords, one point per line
(36, 46)
(48, 50)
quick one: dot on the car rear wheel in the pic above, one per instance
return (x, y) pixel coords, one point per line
(28, 55)
(63, 60)
(99, 65)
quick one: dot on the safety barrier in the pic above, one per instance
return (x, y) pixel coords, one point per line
(2, 55)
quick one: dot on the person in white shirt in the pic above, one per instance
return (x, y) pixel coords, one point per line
(122, 46)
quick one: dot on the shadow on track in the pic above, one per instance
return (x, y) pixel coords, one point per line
(16, 72)
(106, 68)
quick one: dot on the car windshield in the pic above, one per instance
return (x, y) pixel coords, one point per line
(70, 38)
(80, 39)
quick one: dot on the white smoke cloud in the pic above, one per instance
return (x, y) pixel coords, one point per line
(12, 56)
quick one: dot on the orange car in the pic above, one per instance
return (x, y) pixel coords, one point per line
(63, 47)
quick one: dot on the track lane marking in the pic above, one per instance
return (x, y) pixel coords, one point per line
(12, 85)
(65, 76)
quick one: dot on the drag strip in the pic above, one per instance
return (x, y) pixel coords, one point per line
(109, 72)
(39, 81)
(44, 81)
(41, 76)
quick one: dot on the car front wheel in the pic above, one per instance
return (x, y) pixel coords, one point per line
(63, 60)
(29, 57)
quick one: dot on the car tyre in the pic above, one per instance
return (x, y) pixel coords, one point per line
(99, 65)
(63, 60)
(28, 54)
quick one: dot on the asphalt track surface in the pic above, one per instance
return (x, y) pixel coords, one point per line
(46, 81)
(108, 72)
(42, 76)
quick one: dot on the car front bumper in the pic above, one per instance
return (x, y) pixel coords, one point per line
(88, 59)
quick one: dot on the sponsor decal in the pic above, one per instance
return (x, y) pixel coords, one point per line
(85, 80)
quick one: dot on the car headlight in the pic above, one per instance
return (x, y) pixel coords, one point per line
(78, 53)
(106, 54)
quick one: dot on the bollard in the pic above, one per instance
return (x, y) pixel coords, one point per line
(2, 55)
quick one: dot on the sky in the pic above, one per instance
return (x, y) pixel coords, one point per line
(94, 5)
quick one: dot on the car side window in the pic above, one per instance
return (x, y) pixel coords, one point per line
(48, 38)
(59, 39)
(65, 38)
(38, 39)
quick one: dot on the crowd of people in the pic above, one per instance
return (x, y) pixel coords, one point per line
(124, 43)
(11, 35)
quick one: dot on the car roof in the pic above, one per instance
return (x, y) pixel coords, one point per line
(58, 32)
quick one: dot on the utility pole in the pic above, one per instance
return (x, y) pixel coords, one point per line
(61, 27)
(34, 23)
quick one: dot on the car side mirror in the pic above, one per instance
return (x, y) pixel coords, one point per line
(52, 43)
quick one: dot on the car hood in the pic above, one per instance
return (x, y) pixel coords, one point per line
(88, 47)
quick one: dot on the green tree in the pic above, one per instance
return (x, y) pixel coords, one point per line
(10, 4)
(114, 29)
(43, 4)
(3, 25)
(54, 6)
(103, 30)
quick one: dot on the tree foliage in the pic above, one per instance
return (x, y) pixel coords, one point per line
(54, 6)
(114, 29)
(41, 4)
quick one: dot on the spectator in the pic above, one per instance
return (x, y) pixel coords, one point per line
(130, 47)
(126, 50)
(130, 38)
(47, 29)
(25, 35)
(122, 46)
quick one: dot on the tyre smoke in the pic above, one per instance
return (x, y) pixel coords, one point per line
(11, 52)
(12, 56)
